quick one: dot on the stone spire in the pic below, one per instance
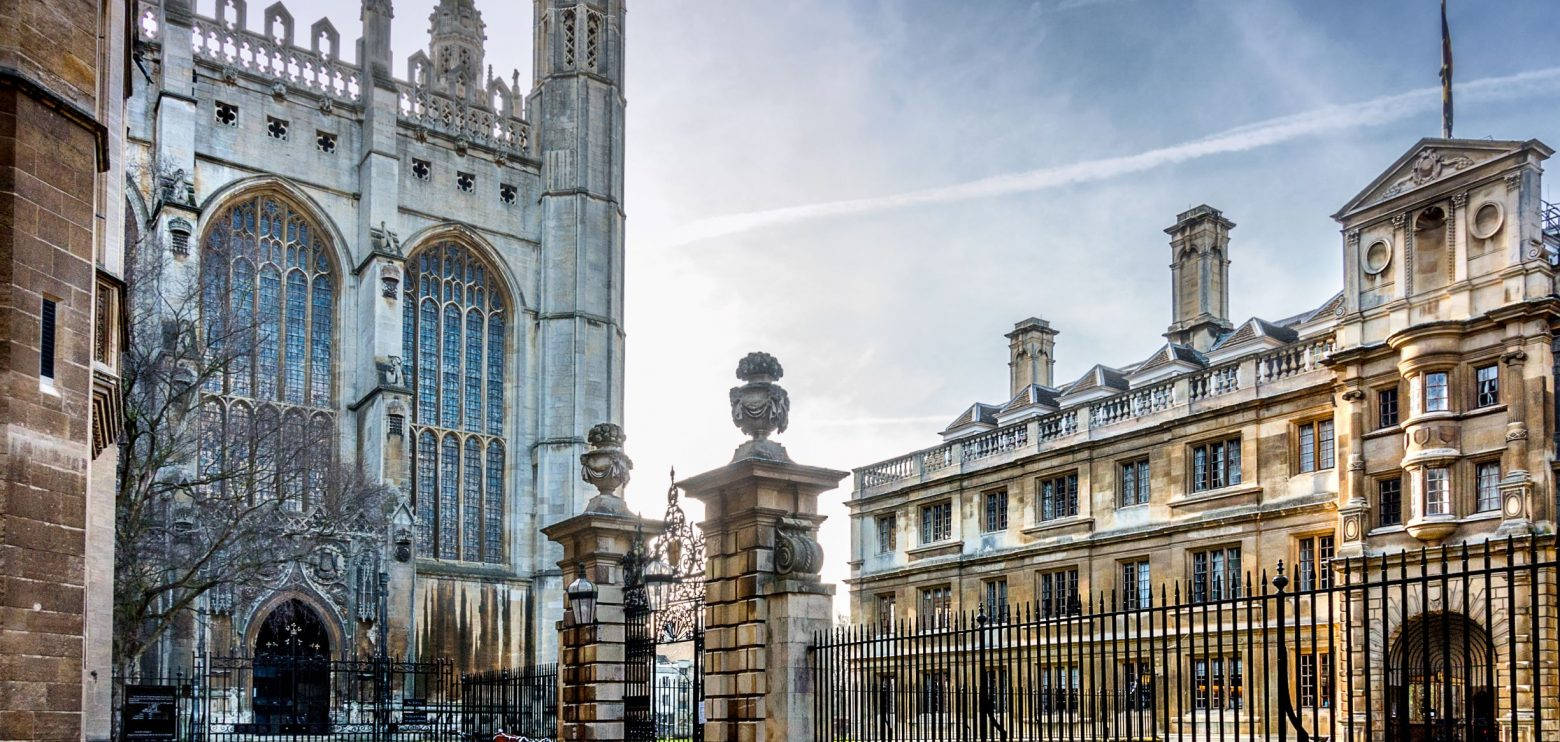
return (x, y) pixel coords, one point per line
(456, 34)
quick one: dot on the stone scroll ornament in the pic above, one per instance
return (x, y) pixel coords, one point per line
(606, 468)
(760, 407)
(796, 550)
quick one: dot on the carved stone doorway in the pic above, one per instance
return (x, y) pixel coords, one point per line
(292, 671)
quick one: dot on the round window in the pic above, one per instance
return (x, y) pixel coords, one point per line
(1377, 257)
(1487, 220)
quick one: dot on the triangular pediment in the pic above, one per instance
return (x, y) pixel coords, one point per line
(1429, 161)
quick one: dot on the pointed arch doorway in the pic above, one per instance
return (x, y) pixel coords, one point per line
(1439, 681)
(292, 671)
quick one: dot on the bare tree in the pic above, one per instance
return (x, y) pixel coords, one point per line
(212, 496)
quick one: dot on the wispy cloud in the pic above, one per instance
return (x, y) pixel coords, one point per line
(1374, 112)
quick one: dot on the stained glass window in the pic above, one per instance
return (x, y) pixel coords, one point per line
(426, 468)
(495, 399)
(456, 334)
(473, 388)
(449, 392)
(321, 340)
(268, 305)
(297, 307)
(471, 508)
(448, 485)
(493, 509)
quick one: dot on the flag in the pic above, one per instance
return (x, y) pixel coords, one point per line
(1446, 75)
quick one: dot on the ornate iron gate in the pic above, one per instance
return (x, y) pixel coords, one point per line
(664, 698)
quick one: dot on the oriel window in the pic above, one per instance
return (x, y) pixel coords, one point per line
(1435, 391)
(1438, 496)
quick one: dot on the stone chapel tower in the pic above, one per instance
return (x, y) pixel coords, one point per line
(577, 102)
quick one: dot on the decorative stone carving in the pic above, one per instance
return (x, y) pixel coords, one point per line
(403, 544)
(175, 188)
(366, 589)
(1353, 395)
(796, 551)
(389, 281)
(760, 407)
(383, 241)
(606, 468)
(327, 565)
(179, 231)
(390, 372)
(327, 104)
(278, 91)
(1430, 165)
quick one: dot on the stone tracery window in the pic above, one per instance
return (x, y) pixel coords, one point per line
(268, 315)
(454, 361)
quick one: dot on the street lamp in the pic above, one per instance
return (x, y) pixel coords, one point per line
(582, 598)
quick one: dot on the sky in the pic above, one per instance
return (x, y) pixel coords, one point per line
(876, 190)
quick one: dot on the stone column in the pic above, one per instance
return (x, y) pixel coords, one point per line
(591, 670)
(764, 602)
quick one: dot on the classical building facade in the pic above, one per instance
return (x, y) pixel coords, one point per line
(62, 103)
(1414, 407)
(435, 259)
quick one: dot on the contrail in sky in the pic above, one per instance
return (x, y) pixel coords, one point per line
(1375, 112)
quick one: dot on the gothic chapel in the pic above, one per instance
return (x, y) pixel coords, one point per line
(437, 265)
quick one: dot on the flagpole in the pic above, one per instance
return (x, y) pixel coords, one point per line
(1446, 75)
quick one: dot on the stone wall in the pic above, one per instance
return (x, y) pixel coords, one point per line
(56, 78)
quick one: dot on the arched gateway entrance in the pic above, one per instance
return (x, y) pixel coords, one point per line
(292, 671)
(1440, 684)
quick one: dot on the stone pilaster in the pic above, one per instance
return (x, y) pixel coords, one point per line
(1516, 488)
(1353, 507)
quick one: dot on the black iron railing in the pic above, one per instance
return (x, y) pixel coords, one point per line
(282, 698)
(1429, 644)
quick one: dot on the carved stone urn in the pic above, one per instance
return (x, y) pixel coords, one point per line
(760, 407)
(606, 468)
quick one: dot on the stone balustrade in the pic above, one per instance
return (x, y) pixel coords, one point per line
(1211, 386)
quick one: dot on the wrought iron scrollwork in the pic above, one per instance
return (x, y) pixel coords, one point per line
(681, 550)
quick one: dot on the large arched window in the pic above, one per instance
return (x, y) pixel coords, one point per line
(268, 320)
(454, 328)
